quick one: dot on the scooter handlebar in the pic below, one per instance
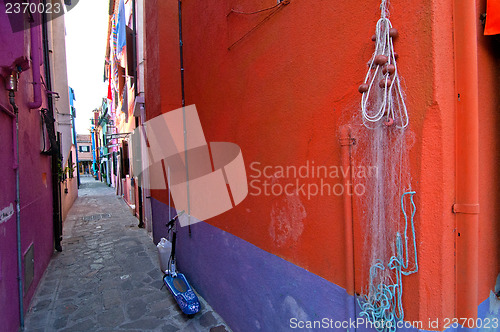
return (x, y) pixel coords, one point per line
(171, 222)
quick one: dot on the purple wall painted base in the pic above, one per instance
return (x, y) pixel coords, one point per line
(254, 290)
(250, 288)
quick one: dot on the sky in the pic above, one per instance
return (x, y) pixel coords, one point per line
(86, 29)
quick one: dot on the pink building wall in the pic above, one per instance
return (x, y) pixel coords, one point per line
(35, 178)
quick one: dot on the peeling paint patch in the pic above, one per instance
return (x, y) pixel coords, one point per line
(287, 216)
(6, 213)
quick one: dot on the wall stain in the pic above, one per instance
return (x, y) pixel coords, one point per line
(287, 216)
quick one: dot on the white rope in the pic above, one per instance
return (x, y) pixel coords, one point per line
(387, 99)
(384, 12)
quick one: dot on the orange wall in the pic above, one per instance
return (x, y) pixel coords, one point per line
(281, 94)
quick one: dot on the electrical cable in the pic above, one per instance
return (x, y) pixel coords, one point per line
(277, 8)
(286, 2)
(18, 213)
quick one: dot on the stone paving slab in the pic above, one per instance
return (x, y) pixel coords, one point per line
(107, 276)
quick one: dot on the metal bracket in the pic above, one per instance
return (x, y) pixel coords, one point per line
(465, 208)
(347, 141)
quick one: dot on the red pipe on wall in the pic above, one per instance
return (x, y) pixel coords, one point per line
(345, 142)
(466, 205)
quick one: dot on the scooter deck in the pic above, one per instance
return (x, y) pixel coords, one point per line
(183, 293)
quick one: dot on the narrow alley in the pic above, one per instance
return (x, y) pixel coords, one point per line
(315, 165)
(107, 276)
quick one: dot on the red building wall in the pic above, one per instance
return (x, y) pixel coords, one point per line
(282, 88)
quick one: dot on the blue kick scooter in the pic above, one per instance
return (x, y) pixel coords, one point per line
(175, 281)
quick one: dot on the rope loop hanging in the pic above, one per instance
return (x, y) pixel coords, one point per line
(383, 100)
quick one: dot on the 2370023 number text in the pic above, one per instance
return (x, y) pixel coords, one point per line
(471, 322)
(33, 8)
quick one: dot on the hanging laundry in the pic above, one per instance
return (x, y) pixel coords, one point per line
(131, 100)
(115, 99)
(110, 94)
(121, 28)
(125, 101)
(128, 13)
(113, 41)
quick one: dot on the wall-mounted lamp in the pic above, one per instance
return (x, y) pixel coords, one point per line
(11, 82)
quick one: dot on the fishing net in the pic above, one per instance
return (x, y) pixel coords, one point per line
(383, 142)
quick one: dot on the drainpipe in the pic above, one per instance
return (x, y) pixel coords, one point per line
(55, 149)
(140, 122)
(181, 53)
(11, 86)
(345, 142)
(466, 206)
(183, 94)
(345, 150)
(35, 66)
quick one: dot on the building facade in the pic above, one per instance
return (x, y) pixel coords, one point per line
(101, 132)
(283, 81)
(125, 76)
(84, 154)
(36, 188)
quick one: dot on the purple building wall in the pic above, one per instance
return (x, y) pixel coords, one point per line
(35, 177)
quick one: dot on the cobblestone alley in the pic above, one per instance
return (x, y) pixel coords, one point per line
(107, 276)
